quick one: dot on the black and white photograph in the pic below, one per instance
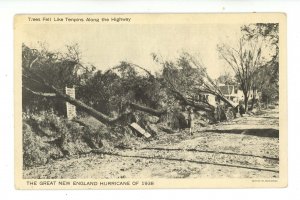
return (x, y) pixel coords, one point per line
(150, 101)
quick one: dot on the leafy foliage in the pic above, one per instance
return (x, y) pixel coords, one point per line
(57, 69)
(46, 136)
(183, 79)
(111, 91)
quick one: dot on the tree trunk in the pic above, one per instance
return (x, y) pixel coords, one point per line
(198, 105)
(89, 110)
(253, 99)
(246, 103)
(147, 109)
(246, 98)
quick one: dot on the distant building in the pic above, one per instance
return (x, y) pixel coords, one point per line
(229, 91)
(235, 95)
(241, 95)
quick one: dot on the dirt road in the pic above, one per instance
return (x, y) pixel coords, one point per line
(246, 147)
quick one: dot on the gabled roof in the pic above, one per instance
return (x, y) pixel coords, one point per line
(227, 89)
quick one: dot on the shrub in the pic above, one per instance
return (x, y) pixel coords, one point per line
(47, 136)
(35, 150)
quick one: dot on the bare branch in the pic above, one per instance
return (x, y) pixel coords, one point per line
(33, 62)
(44, 94)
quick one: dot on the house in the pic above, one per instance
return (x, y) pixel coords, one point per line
(241, 95)
(235, 95)
(230, 92)
(211, 99)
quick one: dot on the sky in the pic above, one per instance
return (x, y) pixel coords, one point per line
(106, 45)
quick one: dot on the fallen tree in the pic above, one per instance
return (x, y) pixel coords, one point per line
(182, 88)
(31, 75)
(148, 110)
(28, 73)
(186, 80)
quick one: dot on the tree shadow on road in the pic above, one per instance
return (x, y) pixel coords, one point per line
(274, 133)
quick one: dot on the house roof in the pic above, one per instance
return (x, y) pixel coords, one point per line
(226, 89)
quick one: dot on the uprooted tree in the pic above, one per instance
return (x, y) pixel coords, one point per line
(187, 80)
(46, 74)
(113, 95)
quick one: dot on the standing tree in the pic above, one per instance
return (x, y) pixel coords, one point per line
(245, 59)
(267, 76)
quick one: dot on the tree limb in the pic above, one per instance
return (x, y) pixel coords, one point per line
(147, 109)
(44, 94)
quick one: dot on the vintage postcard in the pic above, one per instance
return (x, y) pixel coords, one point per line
(145, 101)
